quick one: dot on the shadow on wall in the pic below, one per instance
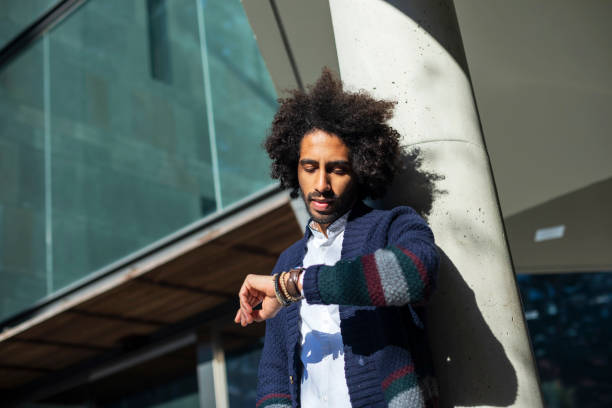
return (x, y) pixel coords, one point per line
(439, 19)
(421, 185)
(470, 363)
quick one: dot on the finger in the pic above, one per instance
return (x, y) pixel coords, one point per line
(245, 314)
(243, 297)
(237, 317)
(257, 316)
(243, 292)
(251, 300)
(255, 299)
(249, 317)
(246, 319)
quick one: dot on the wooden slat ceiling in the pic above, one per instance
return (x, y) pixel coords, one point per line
(199, 280)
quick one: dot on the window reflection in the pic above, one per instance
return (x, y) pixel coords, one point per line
(568, 316)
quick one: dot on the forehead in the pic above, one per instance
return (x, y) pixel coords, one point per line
(320, 144)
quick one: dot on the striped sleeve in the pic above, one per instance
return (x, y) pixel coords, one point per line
(273, 377)
(391, 276)
(274, 401)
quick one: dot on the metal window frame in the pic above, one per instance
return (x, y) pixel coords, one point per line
(34, 31)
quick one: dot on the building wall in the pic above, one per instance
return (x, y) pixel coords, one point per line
(542, 82)
(119, 127)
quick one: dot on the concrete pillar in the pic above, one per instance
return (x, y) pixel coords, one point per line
(212, 380)
(411, 52)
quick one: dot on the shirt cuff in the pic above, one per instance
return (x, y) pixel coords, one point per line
(301, 280)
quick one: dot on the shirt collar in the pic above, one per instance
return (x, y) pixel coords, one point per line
(333, 229)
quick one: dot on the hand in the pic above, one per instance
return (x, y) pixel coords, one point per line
(257, 289)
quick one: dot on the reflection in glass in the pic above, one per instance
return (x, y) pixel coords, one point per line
(241, 368)
(243, 96)
(181, 392)
(22, 182)
(108, 136)
(569, 321)
(130, 154)
(17, 15)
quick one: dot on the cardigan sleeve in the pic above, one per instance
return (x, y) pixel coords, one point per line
(273, 375)
(401, 272)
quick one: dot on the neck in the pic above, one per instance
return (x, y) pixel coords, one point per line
(321, 227)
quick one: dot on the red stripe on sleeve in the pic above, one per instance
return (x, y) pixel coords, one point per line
(397, 374)
(419, 265)
(267, 397)
(373, 280)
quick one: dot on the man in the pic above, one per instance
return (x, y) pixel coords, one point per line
(342, 307)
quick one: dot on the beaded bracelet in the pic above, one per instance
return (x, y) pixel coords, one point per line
(279, 296)
(291, 293)
(283, 287)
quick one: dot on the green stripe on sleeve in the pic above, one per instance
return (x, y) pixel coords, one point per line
(344, 284)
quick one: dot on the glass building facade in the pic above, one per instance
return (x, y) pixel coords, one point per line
(570, 325)
(117, 128)
(17, 15)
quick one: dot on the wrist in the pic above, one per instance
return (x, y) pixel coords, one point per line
(286, 287)
(278, 291)
(292, 283)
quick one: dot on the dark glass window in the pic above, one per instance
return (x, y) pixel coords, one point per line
(181, 392)
(159, 43)
(242, 375)
(568, 316)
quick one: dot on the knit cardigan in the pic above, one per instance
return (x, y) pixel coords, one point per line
(386, 272)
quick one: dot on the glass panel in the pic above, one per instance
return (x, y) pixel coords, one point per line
(244, 99)
(106, 143)
(242, 375)
(130, 149)
(16, 15)
(178, 393)
(22, 188)
(569, 320)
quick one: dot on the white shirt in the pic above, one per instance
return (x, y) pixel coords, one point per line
(322, 352)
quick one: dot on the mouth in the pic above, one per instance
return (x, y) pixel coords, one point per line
(321, 205)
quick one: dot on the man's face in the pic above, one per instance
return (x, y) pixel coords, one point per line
(326, 180)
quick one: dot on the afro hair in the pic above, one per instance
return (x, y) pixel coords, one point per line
(358, 119)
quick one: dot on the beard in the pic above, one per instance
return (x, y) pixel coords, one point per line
(339, 204)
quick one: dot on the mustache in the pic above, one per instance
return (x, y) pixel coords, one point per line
(326, 196)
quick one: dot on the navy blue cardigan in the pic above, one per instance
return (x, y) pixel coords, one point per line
(387, 361)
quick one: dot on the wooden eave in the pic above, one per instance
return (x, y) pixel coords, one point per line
(187, 281)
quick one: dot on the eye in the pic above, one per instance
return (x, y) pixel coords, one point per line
(309, 169)
(339, 170)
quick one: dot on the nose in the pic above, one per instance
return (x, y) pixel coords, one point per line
(322, 183)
